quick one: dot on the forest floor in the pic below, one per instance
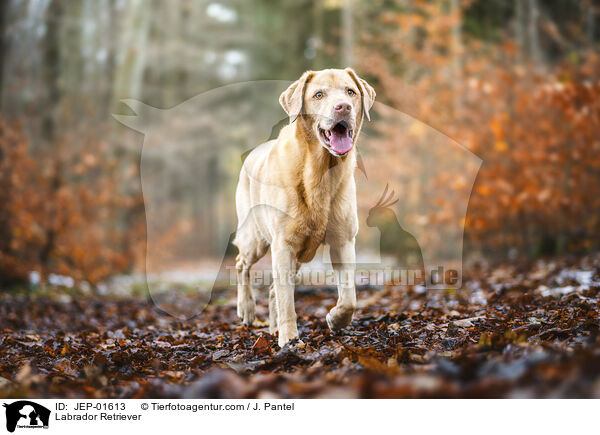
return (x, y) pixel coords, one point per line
(512, 331)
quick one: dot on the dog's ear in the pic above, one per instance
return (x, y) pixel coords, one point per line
(366, 90)
(291, 99)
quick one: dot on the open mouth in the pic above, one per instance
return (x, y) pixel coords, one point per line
(338, 138)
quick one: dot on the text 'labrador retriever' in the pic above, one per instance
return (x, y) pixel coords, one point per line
(298, 192)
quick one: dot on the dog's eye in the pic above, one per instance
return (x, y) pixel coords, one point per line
(318, 95)
(351, 92)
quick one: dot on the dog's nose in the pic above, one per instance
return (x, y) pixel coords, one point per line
(343, 108)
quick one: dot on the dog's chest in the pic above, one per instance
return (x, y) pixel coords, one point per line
(310, 228)
(316, 200)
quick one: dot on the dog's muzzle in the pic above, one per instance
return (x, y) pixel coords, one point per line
(338, 139)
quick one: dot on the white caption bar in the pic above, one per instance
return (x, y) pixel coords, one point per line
(152, 416)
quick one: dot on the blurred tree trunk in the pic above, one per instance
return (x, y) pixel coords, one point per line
(74, 51)
(132, 56)
(109, 39)
(318, 37)
(3, 43)
(347, 34)
(533, 31)
(51, 67)
(51, 71)
(527, 29)
(520, 25)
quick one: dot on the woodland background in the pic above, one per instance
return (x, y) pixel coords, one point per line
(514, 81)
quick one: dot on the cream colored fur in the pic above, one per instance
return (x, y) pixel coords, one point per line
(296, 193)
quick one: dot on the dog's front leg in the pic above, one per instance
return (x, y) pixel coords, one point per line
(284, 272)
(343, 260)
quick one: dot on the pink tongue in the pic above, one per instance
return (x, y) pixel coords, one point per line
(340, 142)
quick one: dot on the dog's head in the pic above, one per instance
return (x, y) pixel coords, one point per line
(333, 102)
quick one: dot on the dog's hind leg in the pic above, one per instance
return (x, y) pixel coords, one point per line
(245, 297)
(250, 252)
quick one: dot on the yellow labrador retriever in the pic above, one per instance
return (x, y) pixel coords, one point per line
(298, 192)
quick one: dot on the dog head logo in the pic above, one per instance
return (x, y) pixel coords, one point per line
(26, 414)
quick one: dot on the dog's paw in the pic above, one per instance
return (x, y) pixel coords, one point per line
(339, 317)
(286, 335)
(245, 311)
(293, 346)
